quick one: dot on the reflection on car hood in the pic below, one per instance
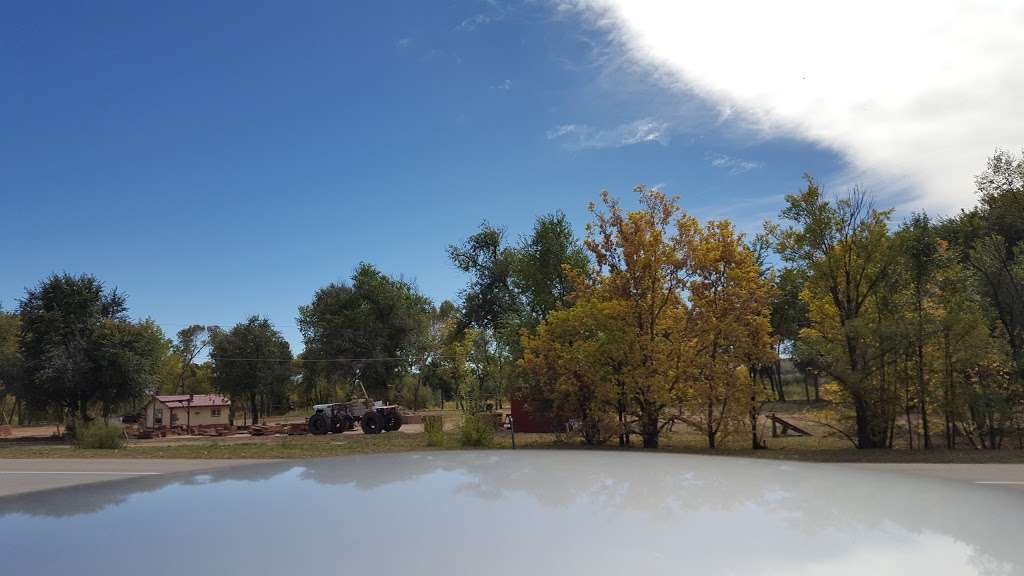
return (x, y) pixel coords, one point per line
(527, 512)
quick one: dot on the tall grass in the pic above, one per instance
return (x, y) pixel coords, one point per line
(99, 435)
(477, 430)
(433, 427)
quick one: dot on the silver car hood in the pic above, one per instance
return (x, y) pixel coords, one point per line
(525, 512)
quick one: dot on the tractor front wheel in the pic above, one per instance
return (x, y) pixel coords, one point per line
(372, 423)
(318, 424)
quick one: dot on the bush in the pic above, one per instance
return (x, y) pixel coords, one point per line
(433, 427)
(477, 431)
(99, 435)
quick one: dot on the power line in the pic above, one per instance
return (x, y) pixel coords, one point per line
(378, 359)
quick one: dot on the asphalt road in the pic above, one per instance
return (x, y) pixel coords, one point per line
(1001, 475)
(26, 475)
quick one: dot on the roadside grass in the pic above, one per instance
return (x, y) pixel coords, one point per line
(297, 447)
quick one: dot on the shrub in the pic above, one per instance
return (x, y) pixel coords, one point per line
(99, 435)
(433, 426)
(477, 431)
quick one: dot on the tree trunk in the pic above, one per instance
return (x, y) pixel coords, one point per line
(869, 434)
(254, 410)
(649, 428)
(83, 410)
(922, 397)
(777, 375)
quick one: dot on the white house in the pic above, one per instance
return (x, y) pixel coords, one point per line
(187, 410)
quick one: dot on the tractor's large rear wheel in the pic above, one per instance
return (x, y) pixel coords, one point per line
(372, 423)
(318, 424)
(392, 421)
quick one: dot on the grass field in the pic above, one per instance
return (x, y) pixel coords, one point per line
(823, 446)
(347, 444)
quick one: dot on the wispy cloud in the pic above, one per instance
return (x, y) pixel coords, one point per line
(913, 94)
(732, 164)
(403, 42)
(502, 86)
(496, 11)
(582, 136)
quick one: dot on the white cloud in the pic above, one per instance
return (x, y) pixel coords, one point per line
(496, 11)
(582, 136)
(732, 164)
(914, 94)
(502, 86)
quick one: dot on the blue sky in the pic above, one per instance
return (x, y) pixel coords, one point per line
(216, 160)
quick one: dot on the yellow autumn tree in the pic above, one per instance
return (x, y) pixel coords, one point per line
(728, 324)
(575, 361)
(643, 260)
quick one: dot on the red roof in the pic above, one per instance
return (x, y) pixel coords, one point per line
(189, 400)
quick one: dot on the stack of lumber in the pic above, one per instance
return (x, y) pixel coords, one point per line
(298, 428)
(267, 429)
(213, 431)
(5, 431)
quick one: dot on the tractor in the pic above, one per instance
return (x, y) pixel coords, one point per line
(373, 417)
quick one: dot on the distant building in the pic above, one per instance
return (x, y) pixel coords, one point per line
(187, 410)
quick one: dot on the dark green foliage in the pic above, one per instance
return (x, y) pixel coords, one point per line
(515, 287)
(368, 330)
(79, 347)
(252, 364)
(490, 301)
(542, 265)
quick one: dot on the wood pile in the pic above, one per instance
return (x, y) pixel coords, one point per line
(5, 431)
(298, 428)
(267, 429)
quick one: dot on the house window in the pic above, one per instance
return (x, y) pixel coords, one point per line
(174, 417)
(215, 412)
(158, 416)
(198, 412)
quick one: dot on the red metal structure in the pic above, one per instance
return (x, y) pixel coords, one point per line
(527, 422)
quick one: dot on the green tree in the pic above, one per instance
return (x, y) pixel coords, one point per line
(788, 319)
(490, 301)
(370, 330)
(547, 265)
(12, 368)
(79, 347)
(252, 364)
(919, 246)
(847, 251)
(190, 344)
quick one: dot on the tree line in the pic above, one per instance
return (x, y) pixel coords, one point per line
(653, 319)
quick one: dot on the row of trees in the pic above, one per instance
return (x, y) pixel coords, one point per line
(678, 322)
(652, 320)
(928, 320)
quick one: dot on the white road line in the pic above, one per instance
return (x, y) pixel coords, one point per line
(80, 473)
(1014, 482)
